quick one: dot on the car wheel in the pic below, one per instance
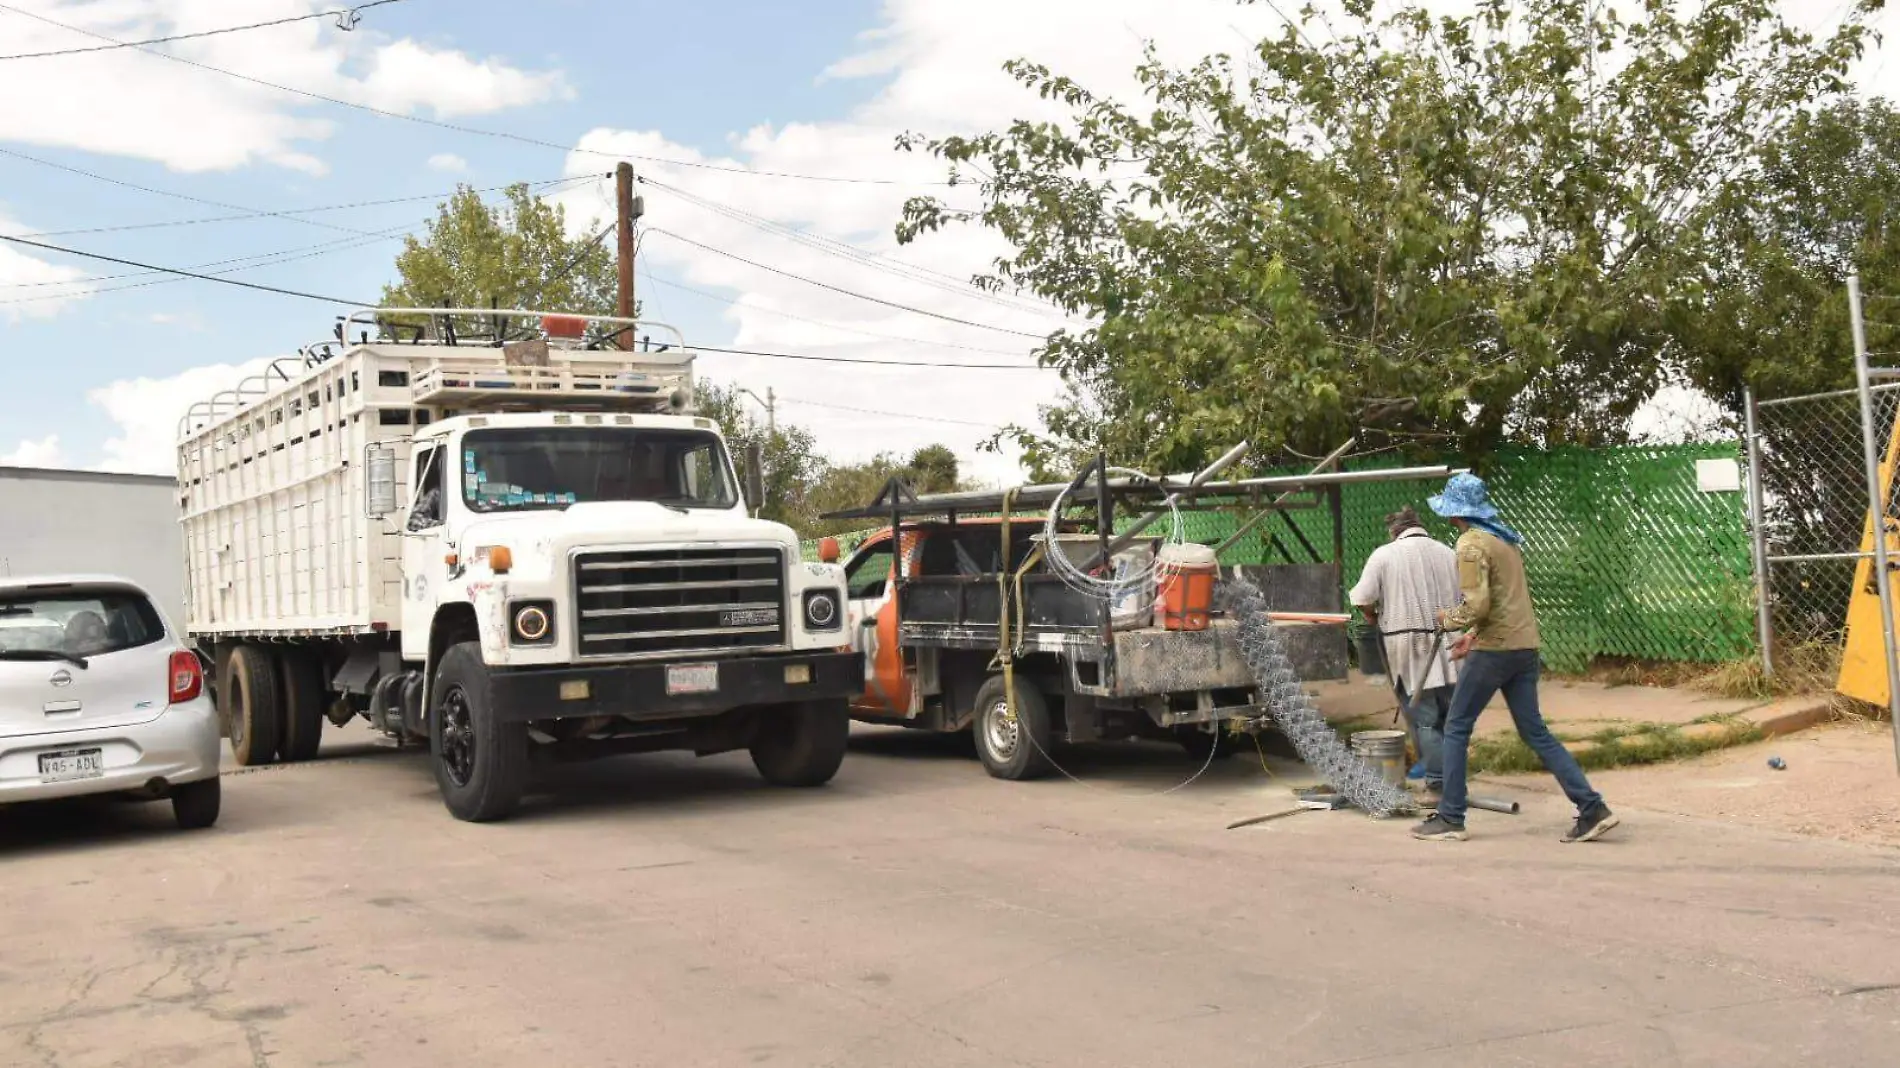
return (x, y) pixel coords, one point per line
(195, 804)
(802, 745)
(252, 711)
(304, 696)
(481, 764)
(1012, 746)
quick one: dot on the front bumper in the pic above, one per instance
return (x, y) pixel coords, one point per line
(180, 746)
(639, 690)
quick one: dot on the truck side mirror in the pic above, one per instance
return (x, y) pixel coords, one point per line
(754, 477)
(828, 551)
(379, 481)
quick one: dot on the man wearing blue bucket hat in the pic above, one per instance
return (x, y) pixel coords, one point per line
(1500, 652)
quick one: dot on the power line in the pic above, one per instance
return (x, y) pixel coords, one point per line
(864, 257)
(95, 176)
(846, 292)
(184, 273)
(457, 127)
(370, 304)
(350, 14)
(546, 184)
(869, 363)
(670, 284)
(244, 263)
(890, 415)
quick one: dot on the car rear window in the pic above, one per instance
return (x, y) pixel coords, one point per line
(77, 622)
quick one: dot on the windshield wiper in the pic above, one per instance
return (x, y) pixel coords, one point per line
(43, 654)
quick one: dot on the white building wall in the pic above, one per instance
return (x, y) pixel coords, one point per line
(65, 522)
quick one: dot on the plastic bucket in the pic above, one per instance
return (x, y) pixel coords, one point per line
(1372, 652)
(1185, 594)
(1385, 751)
(1134, 604)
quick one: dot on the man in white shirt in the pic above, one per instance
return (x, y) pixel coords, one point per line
(1406, 584)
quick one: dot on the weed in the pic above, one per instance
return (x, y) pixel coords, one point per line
(1616, 746)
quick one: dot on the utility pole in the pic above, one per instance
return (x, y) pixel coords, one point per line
(629, 208)
(770, 401)
(1877, 498)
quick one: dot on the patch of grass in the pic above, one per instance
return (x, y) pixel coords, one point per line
(1803, 668)
(1616, 746)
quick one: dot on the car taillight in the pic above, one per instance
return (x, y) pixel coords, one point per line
(187, 677)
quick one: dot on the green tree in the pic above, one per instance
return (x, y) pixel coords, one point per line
(1775, 314)
(933, 469)
(1479, 229)
(515, 254)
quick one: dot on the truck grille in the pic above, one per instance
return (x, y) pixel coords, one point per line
(667, 601)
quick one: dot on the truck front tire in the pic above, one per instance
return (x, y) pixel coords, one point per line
(252, 711)
(1013, 747)
(481, 763)
(802, 745)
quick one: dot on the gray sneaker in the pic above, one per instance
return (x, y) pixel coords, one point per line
(1438, 829)
(1592, 825)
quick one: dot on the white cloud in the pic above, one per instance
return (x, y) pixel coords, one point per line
(942, 66)
(42, 453)
(31, 288)
(448, 162)
(147, 411)
(406, 76)
(131, 103)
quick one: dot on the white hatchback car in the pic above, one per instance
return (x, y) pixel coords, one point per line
(98, 695)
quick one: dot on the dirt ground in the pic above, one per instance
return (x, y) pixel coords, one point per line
(1840, 783)
(666, 912)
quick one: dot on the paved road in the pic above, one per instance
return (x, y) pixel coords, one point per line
(666, 912)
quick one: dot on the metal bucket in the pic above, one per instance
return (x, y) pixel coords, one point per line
(1384, 750)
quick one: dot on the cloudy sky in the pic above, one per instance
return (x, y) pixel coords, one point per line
(764, 130)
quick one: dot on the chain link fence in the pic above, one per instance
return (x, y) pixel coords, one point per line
(1812, 481)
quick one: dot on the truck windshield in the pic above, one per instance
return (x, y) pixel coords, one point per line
(553, 467)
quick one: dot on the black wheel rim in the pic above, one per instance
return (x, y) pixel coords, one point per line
(458, 737)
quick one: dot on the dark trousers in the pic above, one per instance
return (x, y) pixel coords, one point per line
(1428, 725)
(1514, 671)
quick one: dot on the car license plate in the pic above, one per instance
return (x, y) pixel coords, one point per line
(72, 764)
(691, 678)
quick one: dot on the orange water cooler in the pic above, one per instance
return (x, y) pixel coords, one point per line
(1184, 595)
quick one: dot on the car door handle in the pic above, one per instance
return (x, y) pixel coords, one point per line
(60, 708)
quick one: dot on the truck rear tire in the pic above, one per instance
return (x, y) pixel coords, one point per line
(481, 763)
(302, 677)
(252, 710)
(802, 745)
(1015, 748)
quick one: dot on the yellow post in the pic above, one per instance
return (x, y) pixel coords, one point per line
(1864, 658)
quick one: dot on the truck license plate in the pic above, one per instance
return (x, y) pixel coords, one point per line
(691, 678)
(71, 764)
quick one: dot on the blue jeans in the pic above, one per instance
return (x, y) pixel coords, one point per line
(1428, 723)
(1513, 671)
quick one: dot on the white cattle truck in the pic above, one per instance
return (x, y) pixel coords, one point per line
(498, 533)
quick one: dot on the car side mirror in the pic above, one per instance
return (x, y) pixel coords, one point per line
(379, 481)
(828, 551)
(754, 477)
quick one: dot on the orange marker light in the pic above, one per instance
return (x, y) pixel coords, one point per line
(500, 559)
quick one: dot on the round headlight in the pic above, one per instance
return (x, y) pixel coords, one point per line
(821, 609)
(531, 624)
